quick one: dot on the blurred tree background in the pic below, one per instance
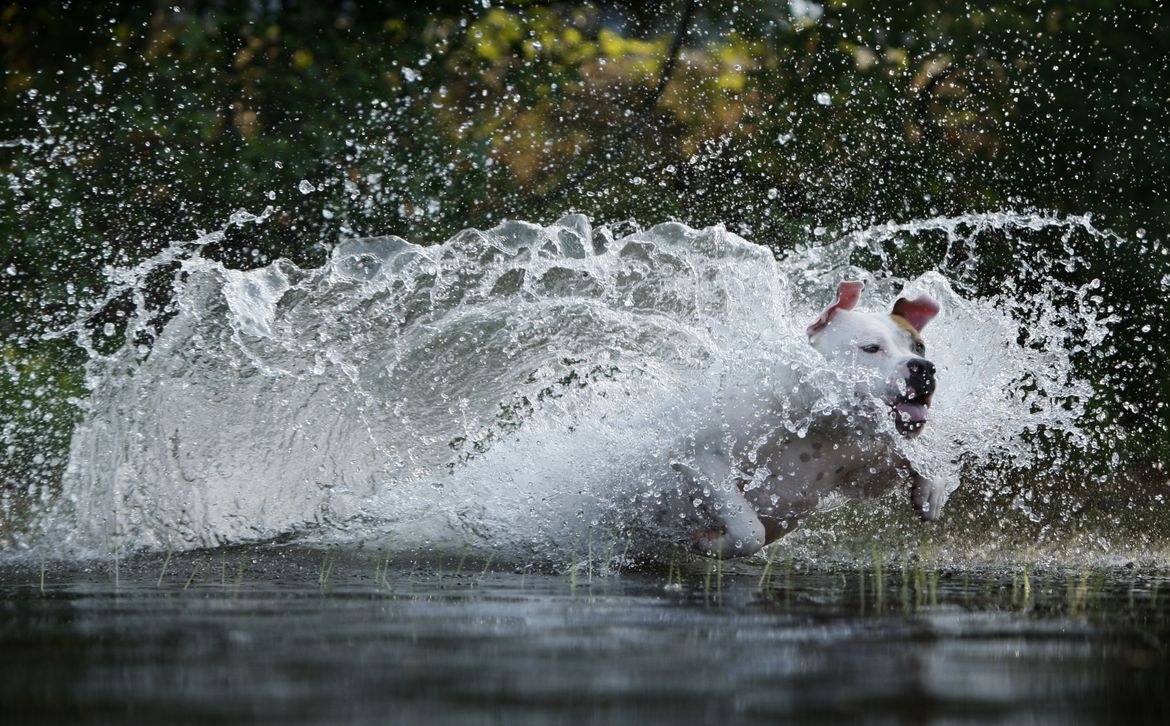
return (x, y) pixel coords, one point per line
(127, 125)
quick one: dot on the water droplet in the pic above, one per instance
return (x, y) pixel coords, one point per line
(241, 216)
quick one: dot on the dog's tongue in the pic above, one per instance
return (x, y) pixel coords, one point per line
(910, 412)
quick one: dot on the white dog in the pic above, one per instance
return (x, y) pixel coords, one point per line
(757, 480)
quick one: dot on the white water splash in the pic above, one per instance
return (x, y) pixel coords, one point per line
(519, 387)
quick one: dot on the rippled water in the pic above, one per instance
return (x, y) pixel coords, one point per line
(302, 636)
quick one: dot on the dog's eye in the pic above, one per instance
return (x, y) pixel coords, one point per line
(871, 348)
(919, 348)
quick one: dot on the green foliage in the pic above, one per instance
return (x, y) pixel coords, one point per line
(40, 395)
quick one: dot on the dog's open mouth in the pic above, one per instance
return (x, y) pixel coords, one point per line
(910, 413)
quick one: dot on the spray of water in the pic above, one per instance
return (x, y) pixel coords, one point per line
(523, 388)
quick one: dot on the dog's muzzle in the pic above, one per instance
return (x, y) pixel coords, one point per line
(910, 407)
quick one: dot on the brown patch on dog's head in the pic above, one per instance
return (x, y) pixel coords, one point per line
(904, 324)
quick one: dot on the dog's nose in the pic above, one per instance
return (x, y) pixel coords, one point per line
(921, 377)
(920, 367)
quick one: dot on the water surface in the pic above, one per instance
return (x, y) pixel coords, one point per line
(301, 636)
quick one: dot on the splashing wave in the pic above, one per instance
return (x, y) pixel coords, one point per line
(521, 387)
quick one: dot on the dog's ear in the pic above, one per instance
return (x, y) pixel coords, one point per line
(918, 312)
(847, 294)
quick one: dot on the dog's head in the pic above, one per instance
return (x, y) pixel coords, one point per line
(886, 350)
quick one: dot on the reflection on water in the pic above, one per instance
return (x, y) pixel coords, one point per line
(312, 636)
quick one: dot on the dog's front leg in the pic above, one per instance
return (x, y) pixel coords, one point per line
(928, 497)
(715, 485)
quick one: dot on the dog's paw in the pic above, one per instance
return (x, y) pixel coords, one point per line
(701, 539)
(928, 497)
(716, 543)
